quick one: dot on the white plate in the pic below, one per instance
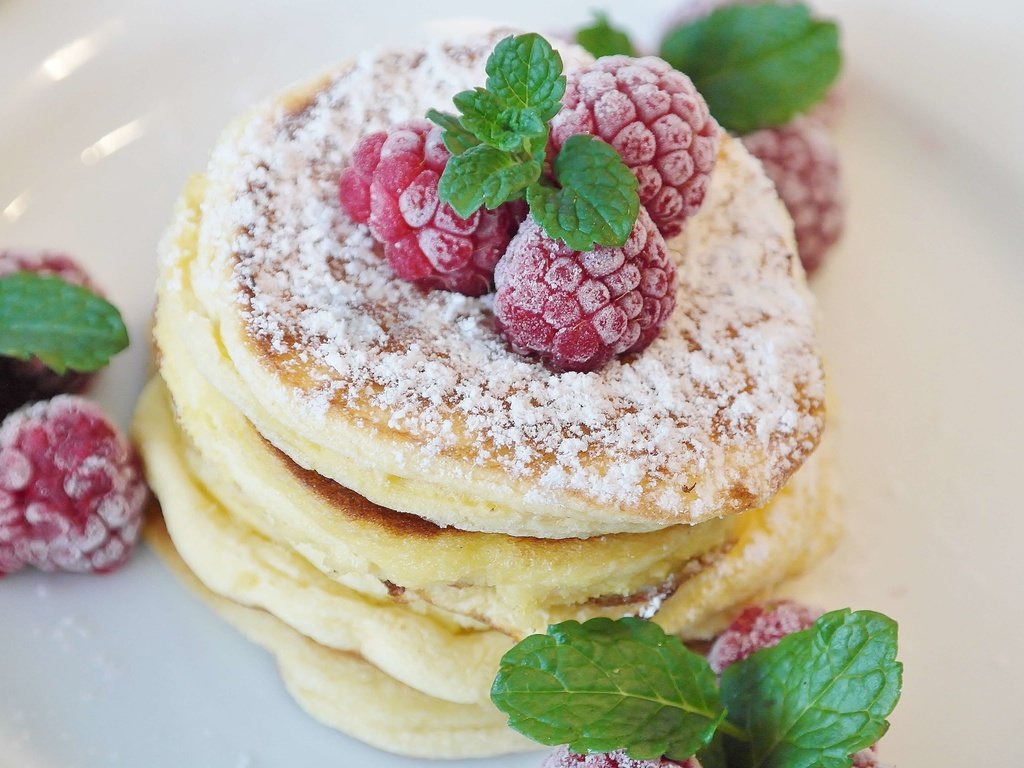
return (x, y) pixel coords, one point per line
(107, 106)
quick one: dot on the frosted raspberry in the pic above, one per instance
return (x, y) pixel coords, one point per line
(656, 120)
(801, 158)
(757, 627)
(391, 185)
(71, 489)
(867, 758)
(577, 310)
(563, 758)
(22, 381)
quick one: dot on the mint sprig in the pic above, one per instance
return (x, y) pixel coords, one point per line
(605, 684)
(813, 700)
(64, 325)
(602, 39)
(757, 65)
(498, 143)
(596, 200)
(816, 697)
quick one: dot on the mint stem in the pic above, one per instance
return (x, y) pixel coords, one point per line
(734, 731)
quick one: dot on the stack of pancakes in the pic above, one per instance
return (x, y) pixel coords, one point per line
(368, 482)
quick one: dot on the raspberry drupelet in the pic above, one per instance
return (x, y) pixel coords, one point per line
(391, 185)
(71, 489)
(24, 381)
(563, 758)
(576, 310)
(656, 120)
(802, 160)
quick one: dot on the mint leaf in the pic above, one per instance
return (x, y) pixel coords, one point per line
(757, 65)
(602, 39)
(455, 137)
(818, 696)
(526, 72)
(597, 202)
(483, 175)
(64, 325)
(509, 129)
(606, 685)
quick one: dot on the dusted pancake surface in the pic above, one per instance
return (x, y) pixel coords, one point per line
(412, 399)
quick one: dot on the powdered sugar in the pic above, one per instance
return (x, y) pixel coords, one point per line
(734, 373)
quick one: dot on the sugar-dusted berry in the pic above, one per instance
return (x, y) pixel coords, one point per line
(71, 489)
(562, 757)
(657, 121)
(24, 381)
(757, 627)
(802, 159)
(576, 310)
(391, 185)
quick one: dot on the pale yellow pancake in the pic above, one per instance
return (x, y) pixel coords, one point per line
(428, 649)
(344, 691)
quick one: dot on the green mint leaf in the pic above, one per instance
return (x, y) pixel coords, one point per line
(597, 202)
(484, 175)
(606, 685)
(509, 129)
(602, 39)
(818, 696)
(64, 325)
(757, 65)
(525, 72)
(455, 136)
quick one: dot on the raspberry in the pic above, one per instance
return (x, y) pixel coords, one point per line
(577, 310)
(22, 381)
(866, 758)
(71, 489)
(563, 758)
(656, 120)
(801, 158)
(391, 185)
(757, 627)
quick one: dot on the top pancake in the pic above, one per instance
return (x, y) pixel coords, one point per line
(413, 400)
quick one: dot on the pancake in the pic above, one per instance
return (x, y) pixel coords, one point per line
(423, 648)
(344, 691)
(412, 400)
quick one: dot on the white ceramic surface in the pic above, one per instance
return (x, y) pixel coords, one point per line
(106, 106)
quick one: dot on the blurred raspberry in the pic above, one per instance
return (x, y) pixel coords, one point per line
(563, 758)
(757, 627)
(71, 489)
(23, 381)
(802, 160)
(657, 121)
(577, 310)
(391, 184)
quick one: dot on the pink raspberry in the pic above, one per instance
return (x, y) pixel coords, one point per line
(71, 489)
(577, 310)
(391, 185)
(801, 158)
(23, 381)
(757, 627)
(657, 121)
(563, 758)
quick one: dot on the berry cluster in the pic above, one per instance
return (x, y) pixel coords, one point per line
(71, 487)
(573, 310)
